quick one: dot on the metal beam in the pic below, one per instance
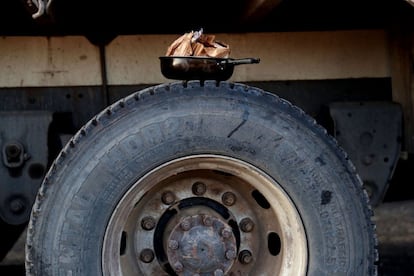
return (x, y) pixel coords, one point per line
(411, 2)
(256, 9)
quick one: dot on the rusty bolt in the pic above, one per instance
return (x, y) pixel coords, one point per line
(168, 198)
(246, 225)
(173, 244)
(245, 257)
(199, 188)
(148, 223)
(146, 255)
(178, 267)
(218, 272)
(207, 221)
(17, 206)
(230, 254)
(13, 150)
(185, 225)
(228, 198)
(226, 233)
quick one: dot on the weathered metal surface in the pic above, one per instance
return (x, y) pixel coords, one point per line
(370, 133)
(23, 138)
(79, 103)
(205, 218)
(283, 56)
(72, 60)
(48, 61)
(201, 244)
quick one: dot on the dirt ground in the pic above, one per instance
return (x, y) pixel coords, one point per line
(395, 230)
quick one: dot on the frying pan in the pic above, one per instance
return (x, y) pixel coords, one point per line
(200, 68)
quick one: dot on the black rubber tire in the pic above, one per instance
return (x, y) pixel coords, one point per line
(169, 121)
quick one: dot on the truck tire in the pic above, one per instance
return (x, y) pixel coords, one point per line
(201, 178)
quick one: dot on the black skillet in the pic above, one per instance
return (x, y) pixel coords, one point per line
(200, 68)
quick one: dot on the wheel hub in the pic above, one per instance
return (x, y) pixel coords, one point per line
(205, 215)
(201, 244)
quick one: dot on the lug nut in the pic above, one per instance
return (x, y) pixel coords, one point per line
(246, 225)
(185, 225)
(178, 267)
(230, 254)
(245, 257)
(199, 188)
(146, 255)
(148, 223)
(226, 233)
(207, 221)
(173, 244)
(218, 272)
(228, 198)
(168, 198)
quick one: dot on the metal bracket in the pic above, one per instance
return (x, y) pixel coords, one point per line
(370, 133)
(23, 140)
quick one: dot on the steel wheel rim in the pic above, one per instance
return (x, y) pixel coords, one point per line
(266, 232)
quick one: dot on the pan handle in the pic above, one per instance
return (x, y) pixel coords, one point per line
(241, 61)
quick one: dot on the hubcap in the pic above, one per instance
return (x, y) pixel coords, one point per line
(201, 244)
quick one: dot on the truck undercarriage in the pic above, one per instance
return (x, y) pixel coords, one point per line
(111, 166)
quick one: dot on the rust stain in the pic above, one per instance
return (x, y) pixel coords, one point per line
(51, 73)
